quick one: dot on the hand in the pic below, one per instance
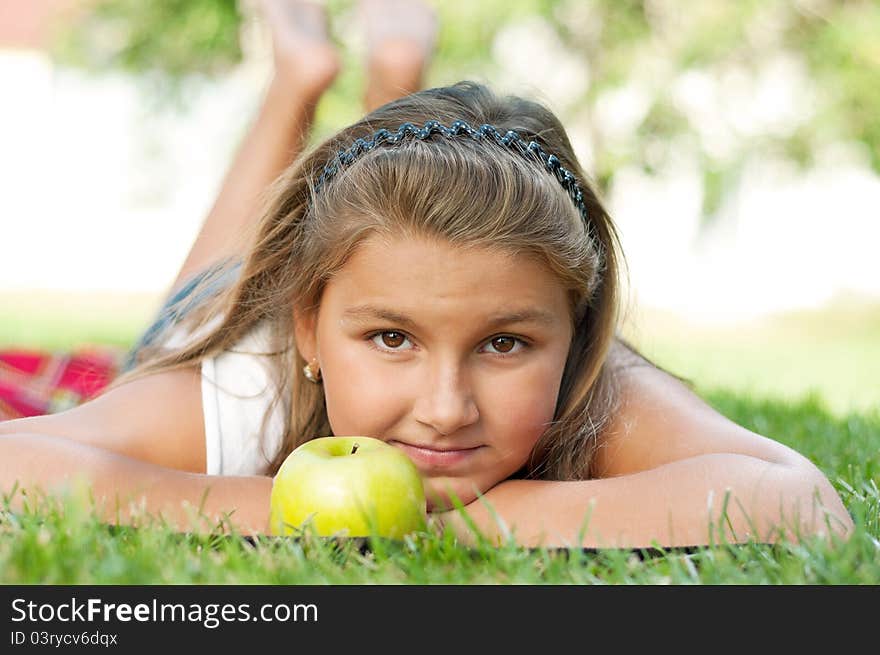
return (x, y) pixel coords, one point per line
(479, 518)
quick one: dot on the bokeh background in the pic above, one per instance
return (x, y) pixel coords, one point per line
(736, 144)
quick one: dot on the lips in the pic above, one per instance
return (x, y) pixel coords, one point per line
(427, 458)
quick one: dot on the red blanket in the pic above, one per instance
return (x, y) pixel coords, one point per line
(34, 382)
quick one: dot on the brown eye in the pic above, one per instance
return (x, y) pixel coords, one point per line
(393, 339)
(503, 344)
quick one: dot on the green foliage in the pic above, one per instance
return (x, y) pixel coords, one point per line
(172, 37)
(648, 45)
(841, 46)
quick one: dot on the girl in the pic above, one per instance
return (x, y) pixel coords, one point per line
(439, 275)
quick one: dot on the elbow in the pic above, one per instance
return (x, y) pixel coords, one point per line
(14, 426)
(808, 506)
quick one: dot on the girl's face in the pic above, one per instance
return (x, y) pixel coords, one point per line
(454, 356)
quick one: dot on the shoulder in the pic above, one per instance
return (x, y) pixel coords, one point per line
(155, 418)
(661, 419)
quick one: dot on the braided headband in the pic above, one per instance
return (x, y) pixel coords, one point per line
(511, 140)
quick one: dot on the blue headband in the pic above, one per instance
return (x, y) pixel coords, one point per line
(510, 139)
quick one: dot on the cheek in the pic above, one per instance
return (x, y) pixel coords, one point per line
(359, 398)
(522, 409)
(524, 423)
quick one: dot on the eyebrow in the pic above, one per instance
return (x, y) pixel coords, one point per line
(529, 315)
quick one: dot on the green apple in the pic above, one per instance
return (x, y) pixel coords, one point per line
(347, 486)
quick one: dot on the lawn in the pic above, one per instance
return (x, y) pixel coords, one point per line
(803, 379)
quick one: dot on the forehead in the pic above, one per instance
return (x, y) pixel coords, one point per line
(419, 274)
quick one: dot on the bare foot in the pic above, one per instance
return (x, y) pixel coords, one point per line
(400, 40)
(304, 55)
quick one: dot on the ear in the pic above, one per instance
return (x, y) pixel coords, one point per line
(305, 327)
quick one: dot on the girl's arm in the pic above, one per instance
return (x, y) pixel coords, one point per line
(126, 489)
(672, 505)
(142, 443)
(668, 463)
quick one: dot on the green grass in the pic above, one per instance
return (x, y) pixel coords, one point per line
(803, 380)
(832, 352)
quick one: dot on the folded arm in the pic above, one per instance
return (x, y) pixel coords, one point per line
(684, 503)
(140, 447)
(127, 490)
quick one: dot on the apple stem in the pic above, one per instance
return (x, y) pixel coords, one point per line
(354, 448)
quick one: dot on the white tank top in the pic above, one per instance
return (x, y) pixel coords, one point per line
(237, 390)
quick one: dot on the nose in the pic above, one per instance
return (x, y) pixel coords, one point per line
(447, 402)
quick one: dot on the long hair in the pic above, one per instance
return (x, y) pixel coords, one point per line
(470, 194)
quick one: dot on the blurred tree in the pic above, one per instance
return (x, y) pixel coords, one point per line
(721, 81)
(173, 37)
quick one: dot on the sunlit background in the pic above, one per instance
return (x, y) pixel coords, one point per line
(737, 146)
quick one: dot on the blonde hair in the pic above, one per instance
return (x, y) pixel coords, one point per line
(469, 193)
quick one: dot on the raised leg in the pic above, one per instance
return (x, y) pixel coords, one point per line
(306, 63)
